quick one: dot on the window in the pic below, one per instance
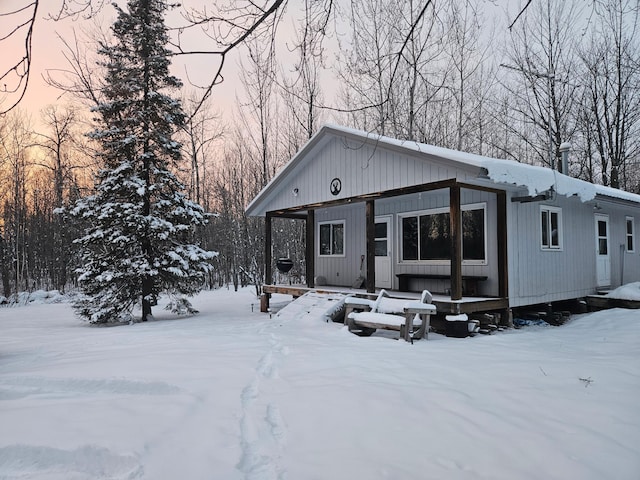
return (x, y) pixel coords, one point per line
(426, 236)
(331, 238)
(630, 235)
(551, 228)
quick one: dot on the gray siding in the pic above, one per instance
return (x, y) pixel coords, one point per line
(625, 266)
(361, 169)
(535, 275)
(539, 276)
(343, 271)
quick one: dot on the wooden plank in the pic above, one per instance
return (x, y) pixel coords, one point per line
(295, 291)
(600, 301)
(484, 305)
(469, 282)
(437, 276)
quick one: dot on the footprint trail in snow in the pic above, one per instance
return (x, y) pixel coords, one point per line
(262, 430)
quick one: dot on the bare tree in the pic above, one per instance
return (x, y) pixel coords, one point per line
(303, 92)
(541, 57)
(16, 160)
(258, 112)
(61, 159)
(471, 79)
(611, 108)
(200, 131)
(390, 71)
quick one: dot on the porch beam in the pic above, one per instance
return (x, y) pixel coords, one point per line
(371, 246)
(292, 216)
(425, 187)
(310, 250)
(455, 217)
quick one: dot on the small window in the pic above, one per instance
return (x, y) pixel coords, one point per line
(551, 228)
(630, 239)
(331, 238)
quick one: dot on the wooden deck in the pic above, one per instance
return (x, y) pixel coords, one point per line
(443, 303)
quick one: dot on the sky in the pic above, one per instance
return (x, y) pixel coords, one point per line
(48, 56)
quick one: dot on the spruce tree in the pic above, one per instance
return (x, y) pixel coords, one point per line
(139, 223)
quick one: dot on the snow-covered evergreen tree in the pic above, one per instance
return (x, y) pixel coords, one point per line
(139, 221)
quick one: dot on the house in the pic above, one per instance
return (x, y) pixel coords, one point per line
(410, 216)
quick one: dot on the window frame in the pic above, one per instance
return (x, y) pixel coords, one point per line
(435, 211)
(629, 220)
(341, 222)
(550, 211)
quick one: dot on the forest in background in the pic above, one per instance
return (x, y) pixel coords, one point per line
(434, 72)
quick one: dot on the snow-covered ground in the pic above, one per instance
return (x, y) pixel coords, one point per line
(234, 394)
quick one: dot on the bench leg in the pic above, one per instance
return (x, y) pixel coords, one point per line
(423, 331)
(424, 328)
(408, 327)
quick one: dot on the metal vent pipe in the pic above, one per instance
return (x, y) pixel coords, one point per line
(564, 151)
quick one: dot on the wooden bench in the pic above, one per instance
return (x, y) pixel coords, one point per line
(364, 317)
(469, 282)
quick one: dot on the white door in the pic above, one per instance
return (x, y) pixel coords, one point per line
(603, 258)
(383, 252)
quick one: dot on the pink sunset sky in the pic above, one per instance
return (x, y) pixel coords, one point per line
(48, 55)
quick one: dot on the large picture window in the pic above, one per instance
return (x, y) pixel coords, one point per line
(630, 237)
(331, 238)
(426, 236)
(551, 228)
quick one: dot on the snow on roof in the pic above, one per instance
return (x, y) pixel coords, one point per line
(536, 179)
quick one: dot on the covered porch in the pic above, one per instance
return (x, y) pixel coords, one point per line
(461, 292)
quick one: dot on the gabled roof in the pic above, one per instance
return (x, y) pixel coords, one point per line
(535, 179)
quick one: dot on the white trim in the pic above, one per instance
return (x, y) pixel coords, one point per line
(434, 211)
(628, 219)
(603, 260)
(342, 222)
(388, 219)
(550, 210)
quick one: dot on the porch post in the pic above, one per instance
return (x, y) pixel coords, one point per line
(267, 249)
(264, 297)
(310, 251)
(503, 269)
(455, 218)
(371, 246)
